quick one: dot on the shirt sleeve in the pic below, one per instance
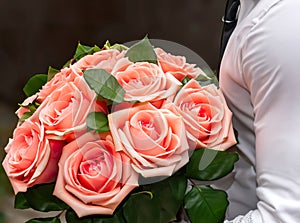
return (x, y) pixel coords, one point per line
(270, 67)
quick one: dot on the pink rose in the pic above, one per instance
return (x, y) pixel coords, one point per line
(206, 116)
(177, 65)
(154, 138)
(60, 79)
(146, 82)
(104, 59)
(64, 112)
(93, 178)
(31, 158)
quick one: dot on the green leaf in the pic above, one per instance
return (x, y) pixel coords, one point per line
(204, 204)
(51, 72)
(71, 217)
(97, 121)
(21, 201)
(208, 164)
(25, 116)
(170, 194)
(116, 46)
(209, 78)
(40, 198)
(104, 84)
(44, 220)
(142, 51)
(83, 50)
(140, 207)
(35, 83)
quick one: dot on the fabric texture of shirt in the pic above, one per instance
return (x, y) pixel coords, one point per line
(260, 78)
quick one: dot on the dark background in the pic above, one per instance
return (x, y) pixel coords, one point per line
(35, 34)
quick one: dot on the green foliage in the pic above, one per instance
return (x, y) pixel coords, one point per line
(39, 198)
(142, 51)
(51, 72)
(34, 84)
(104, 84)
(116, 218)
(97, 121)
(83, 50)
(44, 220)
(204, 204)
(116, 46)
(208, 164)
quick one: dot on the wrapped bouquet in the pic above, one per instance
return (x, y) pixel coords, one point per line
(122, 134)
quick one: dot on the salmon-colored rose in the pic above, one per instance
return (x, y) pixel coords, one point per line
(31, 158)
(206, 115)
(65, 75)
(93, 178)
(176, 65)
(65, 111)
(104, 59)
(154, 138)
(146, 82)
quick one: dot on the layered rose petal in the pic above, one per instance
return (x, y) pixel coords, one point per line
(66, 109)
(176, 65)
(154, 138)
(66, 75)
(31, 158)
(146, 82)
(206, 116)
(93, 178)
(104, 59)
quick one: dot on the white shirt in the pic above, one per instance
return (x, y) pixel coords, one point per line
(260, 78)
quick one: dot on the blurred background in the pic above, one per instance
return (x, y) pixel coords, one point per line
(35, 34)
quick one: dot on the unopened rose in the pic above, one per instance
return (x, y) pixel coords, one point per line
(65, 111)
(146, 82)
(176, 65)
(155, 139)
(31, 158)
(206, 116)
(93, 178)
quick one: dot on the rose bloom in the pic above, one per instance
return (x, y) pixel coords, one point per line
(144, 81)
(206, 115)
(154, 138)
(104, 59)
(65, 75)
(93, 178)
(176, 65)
(64, 112)
(31, 158)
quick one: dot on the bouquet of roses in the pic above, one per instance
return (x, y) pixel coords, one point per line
(122, 135)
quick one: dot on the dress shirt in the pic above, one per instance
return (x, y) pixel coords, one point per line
(260, 78)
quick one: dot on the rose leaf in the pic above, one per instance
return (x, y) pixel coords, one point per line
(205, 204)
(142, 51)
(83, 50)
(40, 198)
(208, 164)
(44, 220)
(51, 72)
(170, 193)
(104, 84)
(140, 207)
(97, 121)
(35, 83)
(117, 217)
